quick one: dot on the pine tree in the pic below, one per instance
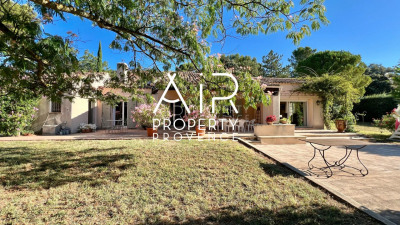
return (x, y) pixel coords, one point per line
(99, 59)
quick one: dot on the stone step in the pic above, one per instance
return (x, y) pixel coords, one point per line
(324, 133)
(281, 140)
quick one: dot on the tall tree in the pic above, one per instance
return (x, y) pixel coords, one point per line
(239, 63)
(167, 33)
(99, 59)
(90, 63)
(34, 63)
(338, 78)
(380, 76)
(331, 62)
(299, 55)
(272, 66)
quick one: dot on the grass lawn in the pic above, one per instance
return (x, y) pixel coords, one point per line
(146, 182)
(369, 130)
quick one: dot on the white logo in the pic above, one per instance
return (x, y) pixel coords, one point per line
(171, 82)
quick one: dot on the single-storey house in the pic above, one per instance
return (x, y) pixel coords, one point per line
(304, 110)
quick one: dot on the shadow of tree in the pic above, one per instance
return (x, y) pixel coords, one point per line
(319, 214)
(276, 170)
(28, 168)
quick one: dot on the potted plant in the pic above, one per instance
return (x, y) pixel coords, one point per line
(341, 124)
(143, 115)
(194, 117)
(27, 133)
(284, 121)
(270, 119)
(87, 128)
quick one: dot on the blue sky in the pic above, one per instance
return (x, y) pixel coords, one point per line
(370, 28)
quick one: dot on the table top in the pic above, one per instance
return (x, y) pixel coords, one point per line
(338, 142)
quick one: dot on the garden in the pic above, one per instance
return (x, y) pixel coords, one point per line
(157, 182)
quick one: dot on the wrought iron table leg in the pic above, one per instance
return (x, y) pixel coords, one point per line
(342, 165)
(322, 153)
(311, 166)
(345, 157)
(328, 165)
(364, 174)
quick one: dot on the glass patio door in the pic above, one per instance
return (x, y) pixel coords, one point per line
(298, 113)
(295, 111)
(120, 113)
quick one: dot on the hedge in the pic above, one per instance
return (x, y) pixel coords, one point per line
(375, 106)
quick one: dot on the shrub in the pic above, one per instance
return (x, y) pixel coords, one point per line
(194, 117)
(386, 122)
(270, 119)
(375, 106)
(16, 114)
(144, 115)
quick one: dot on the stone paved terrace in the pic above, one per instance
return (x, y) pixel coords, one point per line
(379, 191)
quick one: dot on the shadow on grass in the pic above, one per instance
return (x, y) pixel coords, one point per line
(276, 170)
(316, 214)
(29, 168)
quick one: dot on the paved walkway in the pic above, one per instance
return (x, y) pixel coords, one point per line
(379, 191)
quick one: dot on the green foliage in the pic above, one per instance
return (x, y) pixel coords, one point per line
(32, 61)
(387, 122)
(166, 33)
(375, 106)
(16, 114)
(249, 88)
(336, 90)
(331, 62)
(396, 83)
(99, 63)
(176, 32)
(299, 55)
(272, 66)
(380, 76)
(238, 63)
(90, 63)
(186, 67)
(337, 77)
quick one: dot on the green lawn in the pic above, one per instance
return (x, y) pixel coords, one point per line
(146, 182)
(369, 130)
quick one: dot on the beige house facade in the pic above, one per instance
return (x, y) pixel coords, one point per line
(304, 110)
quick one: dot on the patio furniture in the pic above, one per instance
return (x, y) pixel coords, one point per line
(116, 126)
(350, 145)
(241, 126)
(222, 124)
(229, 125)
(250, 125)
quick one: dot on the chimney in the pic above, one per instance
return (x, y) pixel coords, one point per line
(122, 71)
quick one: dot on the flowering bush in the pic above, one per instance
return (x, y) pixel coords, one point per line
(195, 115)
(16, 114)
(84, 126)
(396, 115)
(271, 119)
(386, 122)
(143, 115)
(389, 121)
